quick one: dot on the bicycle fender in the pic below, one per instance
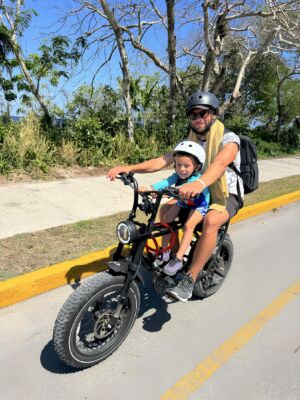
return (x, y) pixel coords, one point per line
(121, 267)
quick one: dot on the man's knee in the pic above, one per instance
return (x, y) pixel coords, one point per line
(214, 220)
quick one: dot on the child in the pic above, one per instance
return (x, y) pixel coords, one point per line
(189, 159)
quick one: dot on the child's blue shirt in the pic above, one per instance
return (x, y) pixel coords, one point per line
(200, 202)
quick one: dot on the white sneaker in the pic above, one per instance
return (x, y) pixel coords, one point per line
(163, 258)
(173, 266)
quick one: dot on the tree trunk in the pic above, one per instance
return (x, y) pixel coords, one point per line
(172, 66)
(33, 88)
(125, 68)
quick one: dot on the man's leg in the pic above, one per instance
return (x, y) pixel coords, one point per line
(204, 249)
(207, 241)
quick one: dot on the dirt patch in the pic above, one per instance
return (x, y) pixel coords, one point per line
(55, 173)
(28, 252)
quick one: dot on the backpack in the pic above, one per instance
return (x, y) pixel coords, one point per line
(249, 166)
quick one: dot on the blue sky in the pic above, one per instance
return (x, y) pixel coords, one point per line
(49, 12)
(46, 24)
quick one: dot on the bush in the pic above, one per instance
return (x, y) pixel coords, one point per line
(25, 147)
(266, 149)
(2, 132)
(67, 153)
(87, 132)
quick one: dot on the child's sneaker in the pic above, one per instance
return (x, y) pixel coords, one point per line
(163, 258)
(173, 266)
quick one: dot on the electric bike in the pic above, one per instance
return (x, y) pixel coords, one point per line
(100, 313)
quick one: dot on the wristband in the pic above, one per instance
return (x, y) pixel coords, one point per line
(203, 183)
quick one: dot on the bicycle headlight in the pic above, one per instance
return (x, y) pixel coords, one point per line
(126, 232)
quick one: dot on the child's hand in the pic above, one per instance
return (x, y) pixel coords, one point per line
(144, 189)
(147, 189)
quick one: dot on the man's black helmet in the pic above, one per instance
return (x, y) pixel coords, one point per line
(204, 100)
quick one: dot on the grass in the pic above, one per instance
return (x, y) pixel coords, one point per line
(28, 252)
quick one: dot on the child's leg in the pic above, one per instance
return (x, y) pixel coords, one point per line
(194, 218)
(169, 216)
(165, 207)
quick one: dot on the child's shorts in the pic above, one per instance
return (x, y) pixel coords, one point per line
(202, 209)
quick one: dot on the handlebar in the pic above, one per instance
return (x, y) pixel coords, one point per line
(169, 191)
(128, 179)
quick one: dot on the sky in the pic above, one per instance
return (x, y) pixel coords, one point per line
(49, 13)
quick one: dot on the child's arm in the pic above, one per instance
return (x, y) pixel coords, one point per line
(145, 188)
(171, 180)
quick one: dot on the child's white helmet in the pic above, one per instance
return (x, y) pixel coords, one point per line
(193, 148)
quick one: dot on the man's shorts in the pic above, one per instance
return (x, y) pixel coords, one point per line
(232, 205)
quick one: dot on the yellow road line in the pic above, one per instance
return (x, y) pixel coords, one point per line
(28, 285)
(193, 380)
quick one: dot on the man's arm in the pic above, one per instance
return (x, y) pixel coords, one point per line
(216, 169)
(156, 164)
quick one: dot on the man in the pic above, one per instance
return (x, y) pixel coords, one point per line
(222, 149)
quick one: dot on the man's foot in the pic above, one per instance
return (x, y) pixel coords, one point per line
(173, 266)
(163, 258)
(183, 290)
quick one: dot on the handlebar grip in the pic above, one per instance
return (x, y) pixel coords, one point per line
(125, 177)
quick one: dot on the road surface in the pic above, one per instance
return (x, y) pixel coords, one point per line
(170, 339)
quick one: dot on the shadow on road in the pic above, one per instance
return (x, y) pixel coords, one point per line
(52, 363)
(152, 300)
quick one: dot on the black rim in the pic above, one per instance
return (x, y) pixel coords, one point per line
(94, 331)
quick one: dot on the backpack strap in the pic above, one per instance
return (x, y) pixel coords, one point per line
(239, 193)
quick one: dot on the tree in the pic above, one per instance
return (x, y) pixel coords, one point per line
(125, 67)
(245, 29)
(15, 19)
(6, 46)
(104, 28)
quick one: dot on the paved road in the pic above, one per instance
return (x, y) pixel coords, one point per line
(31, 207)
(170, 339)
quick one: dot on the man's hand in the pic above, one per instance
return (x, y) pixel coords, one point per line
(112, 173)
(190, 189)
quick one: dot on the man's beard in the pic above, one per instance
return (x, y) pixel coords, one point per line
(201, 132)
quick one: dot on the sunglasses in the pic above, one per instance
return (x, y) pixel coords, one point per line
(200, 114)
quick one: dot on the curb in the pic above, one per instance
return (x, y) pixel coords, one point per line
(29, 285)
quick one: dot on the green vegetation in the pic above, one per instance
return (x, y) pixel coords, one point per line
(94, 133)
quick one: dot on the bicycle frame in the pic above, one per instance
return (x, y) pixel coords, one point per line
(130, 265)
